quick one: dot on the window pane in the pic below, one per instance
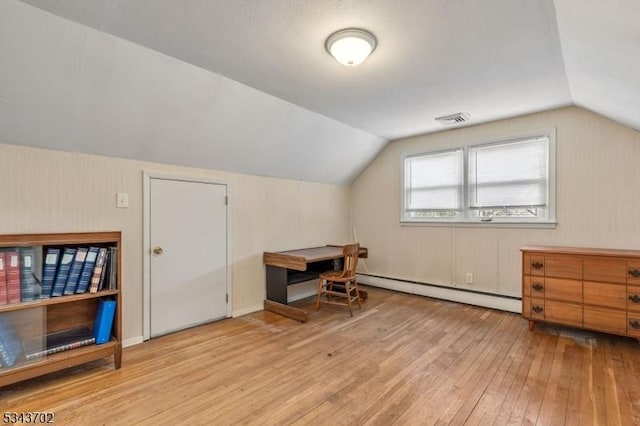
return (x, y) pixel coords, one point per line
(434, 181)
(512, 174)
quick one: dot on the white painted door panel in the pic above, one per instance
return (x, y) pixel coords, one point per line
(188, 278)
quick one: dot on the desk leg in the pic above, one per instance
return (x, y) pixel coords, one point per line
(286, 310)
(277, 284)
(277, 295)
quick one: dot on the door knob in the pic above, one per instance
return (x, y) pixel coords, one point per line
(157, 250)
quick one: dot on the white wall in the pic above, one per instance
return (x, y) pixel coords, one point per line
(598, 200)
(51, 191)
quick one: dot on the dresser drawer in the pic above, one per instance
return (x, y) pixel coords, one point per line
(605, 269)
(564, 313)
(536, 287)
(536, 265)
(603, 319)
(537, 309)
(559, 266)
(533, 286)
(563, 289)
(633, 325)
(609, 295)
(633, 298)
(633, 272)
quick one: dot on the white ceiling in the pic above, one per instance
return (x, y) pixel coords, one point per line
(493, 58)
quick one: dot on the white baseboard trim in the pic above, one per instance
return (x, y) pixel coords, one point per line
(132, 341)
(248, 310)
(438, 292)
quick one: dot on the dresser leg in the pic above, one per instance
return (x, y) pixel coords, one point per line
(531, 325)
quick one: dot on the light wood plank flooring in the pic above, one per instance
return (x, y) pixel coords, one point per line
(402, 359)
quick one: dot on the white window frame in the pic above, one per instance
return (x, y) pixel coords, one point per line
(467, 218)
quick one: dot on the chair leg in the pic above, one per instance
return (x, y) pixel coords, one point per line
(355, 285)
(347, 293)
(319, 294)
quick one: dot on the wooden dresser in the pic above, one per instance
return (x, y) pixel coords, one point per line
(596, 289)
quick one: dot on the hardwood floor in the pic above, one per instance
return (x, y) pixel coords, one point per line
(402, 359)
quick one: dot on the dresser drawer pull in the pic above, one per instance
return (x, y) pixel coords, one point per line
(537, 287)
(634, 298)
(635, 324)
(538, 309)
(538, 265)
(635, 273)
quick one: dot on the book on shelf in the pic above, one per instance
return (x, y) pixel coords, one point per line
(75, 270)
(12, 268)
(97, 271)
(49, 271)
(58, 342)
(62, 274)
(104, 275)
(104, 320)
(4, 299)
(30, 288)
(113, 266)
(10, 343)
(87, 270)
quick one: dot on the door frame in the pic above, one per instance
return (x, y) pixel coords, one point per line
(146, 243)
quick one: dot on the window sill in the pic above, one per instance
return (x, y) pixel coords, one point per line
(453, 224)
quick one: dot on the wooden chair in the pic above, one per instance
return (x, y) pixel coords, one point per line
(341, 284)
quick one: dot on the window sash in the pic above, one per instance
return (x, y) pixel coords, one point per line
(434, 181)
(509, 174)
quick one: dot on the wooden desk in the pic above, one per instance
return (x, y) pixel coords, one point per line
(295, 266)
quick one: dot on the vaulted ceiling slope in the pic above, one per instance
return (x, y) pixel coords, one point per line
(492, 59)
(70, 87)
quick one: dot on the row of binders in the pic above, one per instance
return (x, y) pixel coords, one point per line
(25, 276)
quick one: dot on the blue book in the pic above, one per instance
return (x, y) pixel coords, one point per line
(104, 320)
(49, 271)
(29, 286)
(75, 270)
(87, 270)
(10, 343)
(63, 271)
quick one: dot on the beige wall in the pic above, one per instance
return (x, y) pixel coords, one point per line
(53, 191)
(598, 204)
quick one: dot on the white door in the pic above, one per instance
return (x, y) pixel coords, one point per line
(188, 259)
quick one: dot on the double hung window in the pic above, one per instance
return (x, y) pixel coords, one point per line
(509, 181)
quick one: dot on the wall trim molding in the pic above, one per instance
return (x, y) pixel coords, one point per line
(245, 311)
(469, 297)
(132, 341)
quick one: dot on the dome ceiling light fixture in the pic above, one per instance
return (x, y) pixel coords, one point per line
(351, 46)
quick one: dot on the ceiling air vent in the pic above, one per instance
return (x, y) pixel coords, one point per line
(448, 120)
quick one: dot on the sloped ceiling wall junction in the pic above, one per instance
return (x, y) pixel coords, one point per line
(263, 97)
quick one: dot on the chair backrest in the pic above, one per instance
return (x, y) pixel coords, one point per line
(351, 252)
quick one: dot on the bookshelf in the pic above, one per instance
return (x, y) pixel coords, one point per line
(35, 322)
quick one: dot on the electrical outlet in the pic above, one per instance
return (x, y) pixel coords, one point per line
(468, 278)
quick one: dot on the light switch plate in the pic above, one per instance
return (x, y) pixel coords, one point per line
(122, 200)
